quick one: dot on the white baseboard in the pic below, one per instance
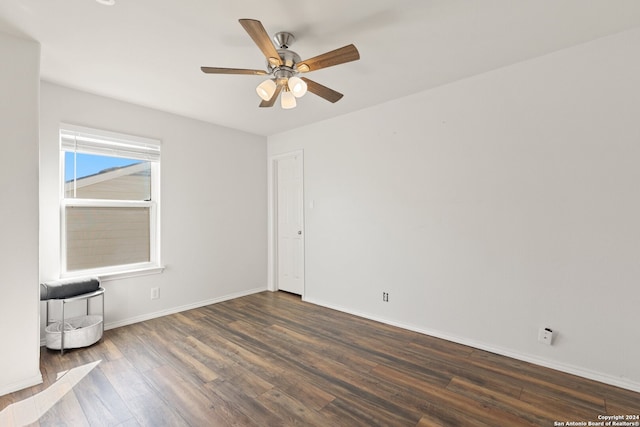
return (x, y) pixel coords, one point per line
(19, 385)
(558, 366)
(179, 309)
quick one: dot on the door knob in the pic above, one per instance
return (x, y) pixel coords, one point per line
(299, 232)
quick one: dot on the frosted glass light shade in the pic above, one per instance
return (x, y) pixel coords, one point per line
(297, 86)
(266, 89)
(287, 100)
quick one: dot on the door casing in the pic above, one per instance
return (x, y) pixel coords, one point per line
(272, 250)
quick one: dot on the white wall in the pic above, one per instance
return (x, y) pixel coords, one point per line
(19, 83)
(489, 208)
(213, 205)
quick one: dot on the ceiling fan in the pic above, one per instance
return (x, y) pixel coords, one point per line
(284, 65)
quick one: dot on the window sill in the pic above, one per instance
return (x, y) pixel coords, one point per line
(105, 276)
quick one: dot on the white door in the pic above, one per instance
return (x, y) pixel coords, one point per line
(290, 224)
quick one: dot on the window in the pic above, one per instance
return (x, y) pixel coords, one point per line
(110, 202)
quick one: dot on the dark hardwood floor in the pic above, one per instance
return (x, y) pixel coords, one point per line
(271, 360)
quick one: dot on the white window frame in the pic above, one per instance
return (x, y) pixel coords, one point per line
(112, 140)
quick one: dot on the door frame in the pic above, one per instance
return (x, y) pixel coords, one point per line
(272, 221)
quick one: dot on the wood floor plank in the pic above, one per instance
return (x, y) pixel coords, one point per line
(305, 391)
(528, 412)
(101, 404)
(227, 357)
(281, 375)
(66, 413)
(191, 403)
(292, 411)
(272, 359)
(249, 406)
(537, 376)
(558, 409)
(491, 414)
(141, 399)
(499, 384)
(211, 352)
(427, 421)
(128, 342)
(348, 411)
(442, 415)
(331, 373)
(320, 346)
(192, 363)
(619, 399)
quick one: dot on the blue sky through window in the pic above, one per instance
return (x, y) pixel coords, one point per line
(91, 164)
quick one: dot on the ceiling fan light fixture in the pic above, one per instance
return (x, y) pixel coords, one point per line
(287, 100)
(297, 86)
(266, 89)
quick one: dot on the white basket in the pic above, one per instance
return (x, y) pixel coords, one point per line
(78, 332)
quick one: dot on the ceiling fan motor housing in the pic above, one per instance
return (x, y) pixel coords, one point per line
(287, 69)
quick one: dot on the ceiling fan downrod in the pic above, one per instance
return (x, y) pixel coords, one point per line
(283, 39)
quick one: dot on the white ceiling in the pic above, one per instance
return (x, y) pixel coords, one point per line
(149, 52)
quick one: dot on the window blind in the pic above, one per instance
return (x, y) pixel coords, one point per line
(83, 140)
(99, 236)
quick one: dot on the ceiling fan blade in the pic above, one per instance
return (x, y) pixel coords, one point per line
(272, 101)
(322, 91)
(339, 56)
(218, 70)
(262, 39)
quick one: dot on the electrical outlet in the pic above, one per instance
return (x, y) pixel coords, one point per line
(545, 336)
(385, 296)
(155, 293)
